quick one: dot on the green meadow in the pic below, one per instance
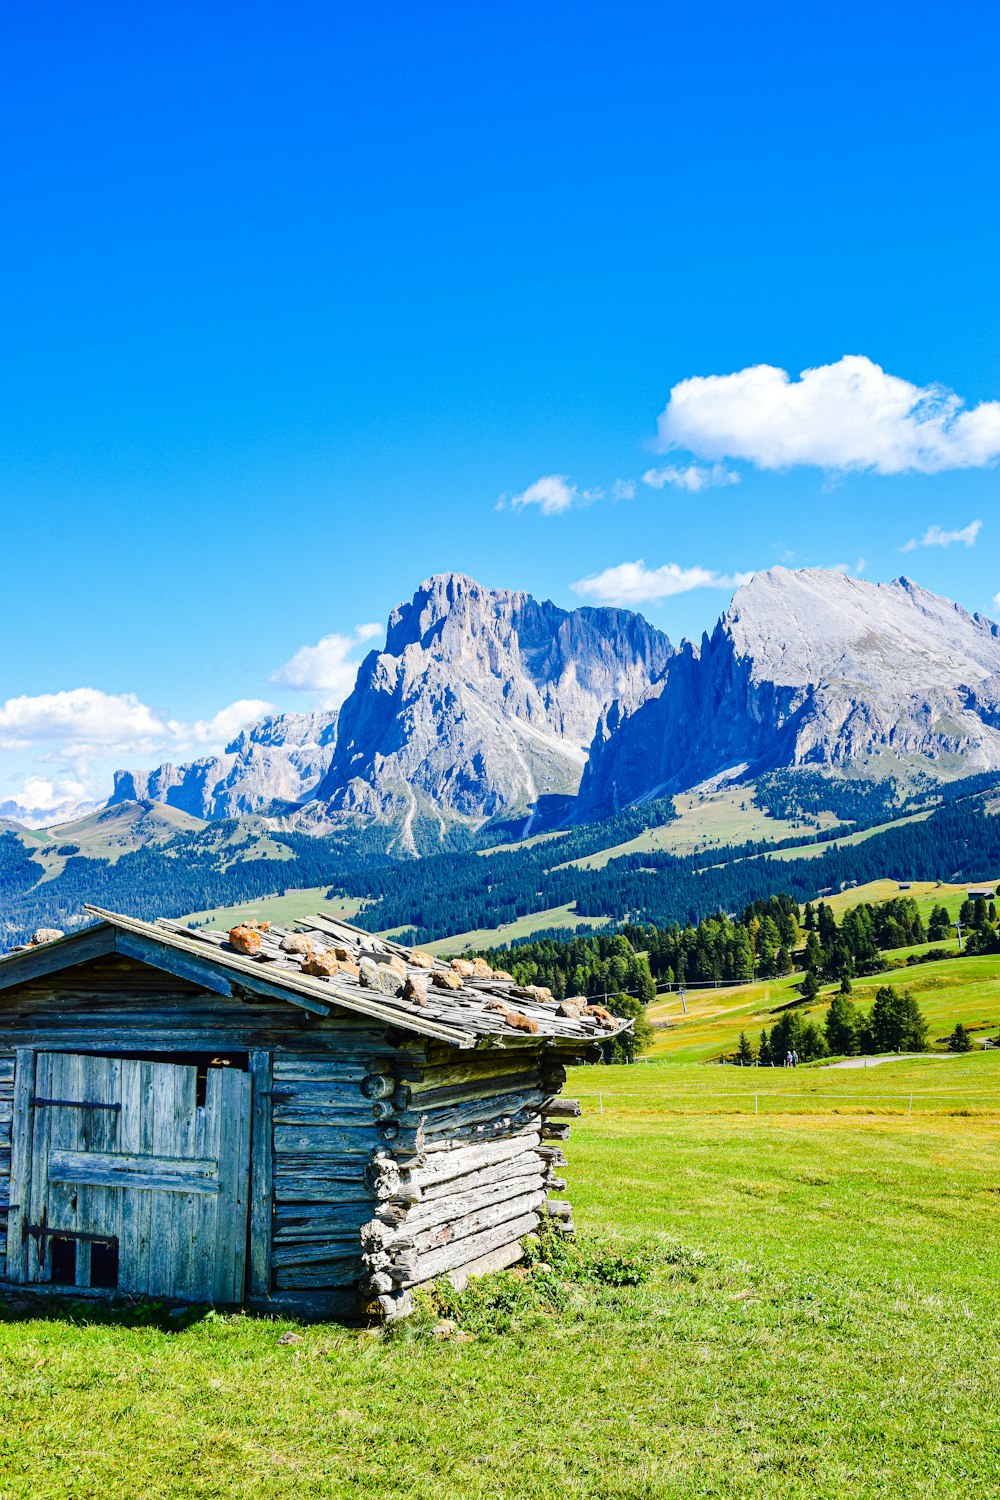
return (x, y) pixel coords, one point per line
(949, 990)
(798, 1303)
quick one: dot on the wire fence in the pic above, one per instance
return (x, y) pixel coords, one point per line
(782, 1101)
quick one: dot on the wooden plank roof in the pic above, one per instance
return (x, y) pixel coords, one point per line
(475, 1015)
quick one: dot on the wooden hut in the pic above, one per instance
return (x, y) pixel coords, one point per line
(313, 1121)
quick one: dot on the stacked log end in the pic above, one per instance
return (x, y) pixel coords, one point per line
(469, 1174)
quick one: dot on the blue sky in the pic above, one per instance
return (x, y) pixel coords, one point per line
(293, 298)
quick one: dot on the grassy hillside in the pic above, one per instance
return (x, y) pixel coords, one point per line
(952, 990)
(110, 833)
(711, 820)
(813, 1315)
(283, 910)
(509, 932)
(926, 893)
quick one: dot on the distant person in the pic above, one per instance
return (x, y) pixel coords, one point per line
(795, 1058)
(788, 1059)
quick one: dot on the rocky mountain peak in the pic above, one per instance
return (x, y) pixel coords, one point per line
(482, 701)
(812, 667)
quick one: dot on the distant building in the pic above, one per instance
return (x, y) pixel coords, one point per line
(981, 893)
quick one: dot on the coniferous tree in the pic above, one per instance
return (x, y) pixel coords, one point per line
(896, 1022)
(959, 1041)
(813, 958)
(809, 988)
(938, 925)
(745, 1055)
(826, 926)
(842, 1026)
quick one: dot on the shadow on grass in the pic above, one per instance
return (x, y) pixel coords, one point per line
(120, 1312)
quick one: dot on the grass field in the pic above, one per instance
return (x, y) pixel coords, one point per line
(951, 990)
(109, 833)
(926, 893)
(710, 820)
(283, 910)
(536, 921)
(816, 1317)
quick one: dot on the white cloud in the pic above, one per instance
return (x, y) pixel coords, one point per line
(81, 718)
(40, 802)
(553, 494)
(633, 583)
(216, 732)
(41, 794)
(849, 415)
(327, 667)
(81, 724)
(936, 536)
(692, 477)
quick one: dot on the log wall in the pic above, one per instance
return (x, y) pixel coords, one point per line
(6, 1115)
(469, 1172)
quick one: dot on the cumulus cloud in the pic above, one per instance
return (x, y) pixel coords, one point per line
(633, 583)
(43, 795)
(848, 416)
(80, 717)
(691, 477)
(553, 494)
(39, 802)
(936, 536)
(214, 733)
(328, 667)
(81, 724)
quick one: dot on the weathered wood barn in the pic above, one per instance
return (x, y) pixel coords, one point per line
(313, 1121)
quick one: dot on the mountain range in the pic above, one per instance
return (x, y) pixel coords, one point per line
(486, 704)
(819, 705)
(482, 704)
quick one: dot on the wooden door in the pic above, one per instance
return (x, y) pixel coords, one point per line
(124, 1166)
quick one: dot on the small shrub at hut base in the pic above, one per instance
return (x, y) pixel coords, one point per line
(557, 1278)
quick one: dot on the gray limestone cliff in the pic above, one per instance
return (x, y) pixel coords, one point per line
(483, 701)
(810, 668)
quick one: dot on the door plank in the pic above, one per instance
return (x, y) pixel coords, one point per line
(124, 1169)
(133, 1260)
(37, 1267)
(230, 1098)
(261, 1175)
(20, 1163)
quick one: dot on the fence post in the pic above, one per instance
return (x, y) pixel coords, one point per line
(756, 1106)
(910, 1107)
(600, 1103)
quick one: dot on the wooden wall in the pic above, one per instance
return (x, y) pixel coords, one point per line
(6, 1112)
